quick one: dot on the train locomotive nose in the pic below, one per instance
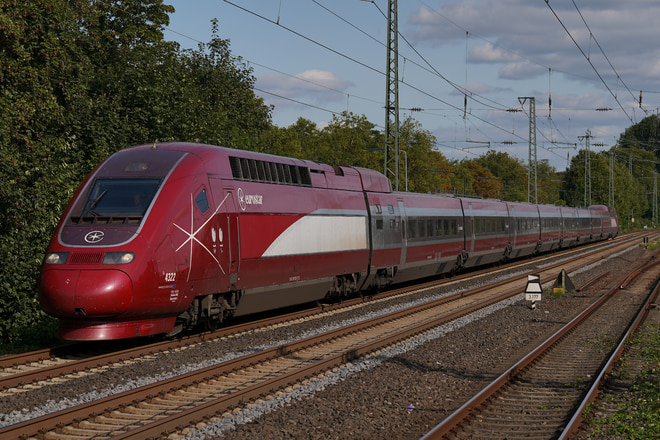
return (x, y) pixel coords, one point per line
(85, 293)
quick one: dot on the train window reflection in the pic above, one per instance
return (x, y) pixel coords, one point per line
(120, 197)
(202, 201)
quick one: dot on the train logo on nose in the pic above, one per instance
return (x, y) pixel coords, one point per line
(94, 237)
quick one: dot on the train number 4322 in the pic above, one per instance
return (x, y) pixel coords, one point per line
(170, 276)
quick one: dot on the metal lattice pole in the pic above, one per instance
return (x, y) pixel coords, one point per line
(611, 200)
(532, 174)
(392, 97)
(655, 200)
(587, 168)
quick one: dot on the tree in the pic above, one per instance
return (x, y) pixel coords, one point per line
(349, 139)
(643, 135)
(510, 170)
(484, 183)
(128, 59)
(421, 157)
(218, 95)
(634, 173)
(81, 80)
(548, 183)
(630, 191)
(288, 141)
(41, 66)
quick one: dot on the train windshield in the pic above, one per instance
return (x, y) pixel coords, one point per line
(120, 197)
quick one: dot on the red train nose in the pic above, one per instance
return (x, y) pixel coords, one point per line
(85, 293)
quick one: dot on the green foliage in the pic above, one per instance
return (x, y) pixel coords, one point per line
(644, 135)
(79, 81)
(633, 182)
(485, 184)
(423, 159)
(40, 67)
(510, 170)
(352, 140)
(346, 140)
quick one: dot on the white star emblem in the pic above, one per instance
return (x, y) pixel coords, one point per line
(192, 235)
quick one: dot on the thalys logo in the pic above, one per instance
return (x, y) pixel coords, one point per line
(94, 237)
(250, 199)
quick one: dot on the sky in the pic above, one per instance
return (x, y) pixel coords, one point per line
(585, 63)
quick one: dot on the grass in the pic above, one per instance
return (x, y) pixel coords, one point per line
(652, 245)
(638, 409)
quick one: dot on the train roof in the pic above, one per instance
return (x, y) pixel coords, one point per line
(249, 165)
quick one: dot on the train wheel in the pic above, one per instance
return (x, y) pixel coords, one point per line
(211, 325)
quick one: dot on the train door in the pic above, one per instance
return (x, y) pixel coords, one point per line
(196, 237)
(508, 227)
(514, 225)
(225, 235)
(404, 233)
(232, 239)
(469, 229)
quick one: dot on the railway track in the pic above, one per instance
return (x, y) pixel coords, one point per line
(216, 389)
(28, 370)
(544, 394)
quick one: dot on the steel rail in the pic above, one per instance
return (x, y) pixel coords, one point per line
(82, 411)
(192, 416)
(69, 416)
(573, 426)
(458, 417)
(74, 366)
(592, 281)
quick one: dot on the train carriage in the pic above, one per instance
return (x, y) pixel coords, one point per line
(432, 234)
(550, 218)
(585, 225)
(605, 220)
(488, 238)
(570, 224)
(526, 233)
(299, 237)
(613, 229)
(99, 276)
(210, 242)
(163, 237)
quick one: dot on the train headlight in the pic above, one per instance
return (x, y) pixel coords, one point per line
(56, 258)
(118, 257)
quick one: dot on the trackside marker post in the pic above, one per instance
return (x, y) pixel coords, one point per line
(533, 289)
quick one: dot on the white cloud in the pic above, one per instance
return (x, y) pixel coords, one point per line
(311, 84)
(522, 33)
(521, 70)
(488, 53)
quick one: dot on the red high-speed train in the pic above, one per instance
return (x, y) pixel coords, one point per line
(162, 237)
